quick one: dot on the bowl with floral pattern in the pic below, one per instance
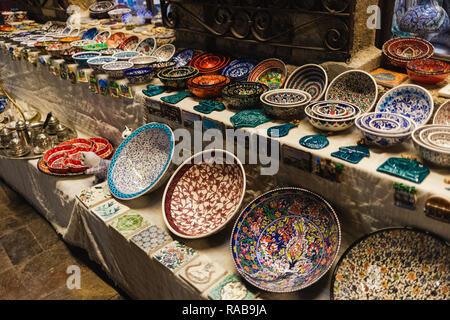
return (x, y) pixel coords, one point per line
(176, 78)
(400, 51)
(97, 63)
(139, 75)
(327, 124)
(435, 137)
(165, 52)
(125, 55)
(286, 104)
(442, 116)
(412, 101)
(271, 72)
(95, 47)
(142, 162)
(208, 86)
(431, 154)
(333, 110)
(311, 78)
(388, 123)
(204, 194)
(81, 58)
(428, 71)
(143, 61)
(243, 95)
(117, 69)
(356, 87)
(285, 240)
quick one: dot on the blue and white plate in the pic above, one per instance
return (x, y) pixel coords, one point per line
(141, 162)
(408, 100)
(238, 70)
(183, 58)
(90, 34)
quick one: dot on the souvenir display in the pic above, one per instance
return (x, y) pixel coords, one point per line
(207, 86)
(400, 51)
(428, 71)
(239, 70)
(174, 255)
(109, 209)
(286, 104)
(285, 240)
(208, 106)
(271, 72)
(388, 78)
(311, 78)
(393, 264)
(143, 61)
(153, 90)
(183, 58)
(175, 98)
(432, 144)
(407, 169)
(327, 120)
(164, 53)
(129, 44)
(146, 46)
(243, 95)
(356, 87)
(231, 288)
(280, 131)
(176, 78)
(315, 142)
(186, 211)
(139, 75)
(151, 238)
(126, 55)
(116, 69)
(249, 118)
(129, 223)
(442, 116)
(408, 100)
(352, 154)
(209, 63)
(141, 162)
(94, 195)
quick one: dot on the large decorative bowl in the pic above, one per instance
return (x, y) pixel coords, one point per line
(271, 72)
(158, 66)
(204, 194)
(81, 58)
(102, 36)
(125, 55)
(285, 104)
(139, 75)
(243, 95)
(143, 61)
(164, 53)
(400, 51)
(442, 116)
(183, 58)
(439, 157)
(81, 43)
(117, 69)
(146, 46)
(100, 9)
(385, 122)
(356, 87)
(428, 71)
(176, 78)
(333, 110)
(208, 86)
(141, 163)
(209, 63)
(115, 40)
(129, 44)
(239, 70)
(331, 125)
(408, 100)
(285, 240)
(311, 78)
(97, 63)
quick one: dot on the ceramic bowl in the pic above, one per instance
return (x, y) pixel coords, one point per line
(333, 110)
(141, 163)
(285, 104)
(165, 52)
(125, 55)
(183, 58)
(102, 36)
(400, 51)
(158, 66)
(143, 61)
(139, 75)
(81, 58)
(129, 44)
(81, 43)
(207, 86)
(428, 71)
(117, 69)
(243, 95)
(116, 14)
(239, 70)
(176, 78)
(285, 240)
(55, 49)
(204, 194)
(146, 46)
(97, 63)
(442, 116)
(271, 72)
(95, 47)
(90, 34)
(434, 137)
(383, 140)
(110, 51)
(115, 40)
(56, 163)
(67, 54)
(333, 125)
(311, 78)
(428, 153)
(209, 63)
(387, 123)
(408, 100)
(100, 9)
(356, 87)
(69, 39)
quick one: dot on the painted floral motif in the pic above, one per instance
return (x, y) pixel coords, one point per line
(394, 264)
(249, 118)
(310, 78)
(94, 195)
(202, 197)
(151, 238)
(285, 240)
(129, 223)
(442, 116)
(174, 255)
(146, 46)
(201, 273)
(231, 288)
(109, 209)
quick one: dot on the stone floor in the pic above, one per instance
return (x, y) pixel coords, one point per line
(34, 260)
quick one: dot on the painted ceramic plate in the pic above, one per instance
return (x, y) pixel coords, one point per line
(102, 37)
(285, 240)
(203, 194)
(400, 51)
(146, 46)
(129, 44)
(354, 86)
(409, 100)
(115, 40)
(141, 162)
(165, 52)
(183, 58)
(311, 78)
(238, 70)
(209, 62)
(394, 264)
(271, 72)
(442, 116)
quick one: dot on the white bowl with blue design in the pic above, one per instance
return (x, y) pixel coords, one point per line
(81, 58)
(409, 100)
(117, 69)
(139, 75)
(97, 63)
(387, 123)
(126, 55)
(142, 162)
(439, 157)
(330, 124)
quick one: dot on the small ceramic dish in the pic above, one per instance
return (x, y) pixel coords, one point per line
(285, 104)
(141, 163)
(356, 87)
(95, 47)
(271, 72)
(139, 75)
(333, 110)
(434, 156)
(125, 55)
(333, 125)
(208, 86)
(165, 52)
(74, 166)
(81, 58)
(97, 63)
(311, 78)
(426, 134)
(143, 61)
(243, 95)
(196, 208)
(442, 116)
(408, 100)
(381, 122)
(146, 46)
(110, 51)
(56, 150)
(176, 78)
(428, 71)
(440, 139)
(81, 43)
(56, 163)
(117, 69)
(400, 51)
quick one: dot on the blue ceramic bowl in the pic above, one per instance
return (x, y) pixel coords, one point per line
(387, 123)
(81, 58)
(139, 75)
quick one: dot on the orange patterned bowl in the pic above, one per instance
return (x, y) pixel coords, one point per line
(208, 86)
(428, 71)
(69, 39)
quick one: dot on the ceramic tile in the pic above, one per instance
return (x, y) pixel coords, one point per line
(174, 255)
(129, 223)
(201, 273)
(388, 78)
(445, 91)
(231, 288)
(109, 209)
(94, 195)
(151, 238)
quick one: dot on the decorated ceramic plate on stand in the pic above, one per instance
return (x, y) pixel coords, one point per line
(394, 264)
(285, 240)
(311, 78)
(146, 46)
(204, 194)
(129, 44)
(271, 72)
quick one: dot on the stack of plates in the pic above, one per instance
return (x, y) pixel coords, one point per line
(400, 51)
(208, 86)
(332, 115)
(433, 144)
(286, 104)
(177, 77)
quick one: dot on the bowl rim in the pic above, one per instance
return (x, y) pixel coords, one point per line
(316, 103)
(218, 84)
(309, 114)
(333, 212)
(283, 69)
(410, 68)
(122, 69)
(193, 73)
(119, 55)
(100, 63)
(374, 82)
(387, 44)
(145, 70)
(146, 39)
(309, 65)
(225, 93)
(428, 143)
(427, 93)
(386, 134)
(409, 129)
(442, 107)
(417, 140)
(162, 174)
(167, 45)
(142, 57)
(180, 167)
(286, 105)
(96, 53)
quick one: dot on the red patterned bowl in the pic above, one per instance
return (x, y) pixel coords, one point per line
(209, 63)
(58, 149)
(400, 51)
(428, 71)
(208, 86)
